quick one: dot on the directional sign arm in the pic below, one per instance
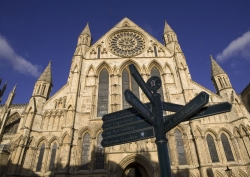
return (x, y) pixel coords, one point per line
(188, 110)
(206, 111)
(136, 75)
(166, 106)
(212, 110)
(140, 107)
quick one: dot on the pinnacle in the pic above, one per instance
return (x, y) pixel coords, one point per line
(216, 69)
(46, 75)
(167, 28)
(86, 30)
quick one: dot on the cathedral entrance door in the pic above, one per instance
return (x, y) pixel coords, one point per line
(134, 170)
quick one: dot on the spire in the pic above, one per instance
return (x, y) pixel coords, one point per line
(14, 89)
(167, 28)
(216, 69)
(86, 30)
(46, 75)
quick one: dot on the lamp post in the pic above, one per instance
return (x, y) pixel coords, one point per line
(229, 172)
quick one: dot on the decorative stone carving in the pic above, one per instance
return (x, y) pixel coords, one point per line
(126, 43)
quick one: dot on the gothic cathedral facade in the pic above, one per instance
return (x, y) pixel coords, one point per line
(60, 135)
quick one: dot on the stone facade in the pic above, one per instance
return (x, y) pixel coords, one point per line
(60, 135)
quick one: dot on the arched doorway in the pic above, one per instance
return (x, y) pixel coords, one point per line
(134, 170)
(134, 165)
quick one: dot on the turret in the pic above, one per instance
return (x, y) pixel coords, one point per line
(44, 84)
(169, 35)
(85, 37)
(219, 77)
(11, 97)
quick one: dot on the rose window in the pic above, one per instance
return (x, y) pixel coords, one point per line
(127, 43)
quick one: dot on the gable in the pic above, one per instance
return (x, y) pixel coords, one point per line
(126, 40)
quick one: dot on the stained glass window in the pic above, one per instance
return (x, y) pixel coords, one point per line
(227, 147)
(40, 158)
(53, 157)
(128, 82)
(85, 151)
(99, 153)
(212, 149)
(103, 93)
(180, 148)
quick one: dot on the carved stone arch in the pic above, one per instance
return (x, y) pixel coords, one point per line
(74, 68)
(242, 173)
(90, 71)
(199, 131)
(168, 68)
(154, 63)
(102, 65)
(182, 130)
(84, 130)
(212, 132)
(53, 139)
(65, 135)
(226, 131)
(31, 142)
(12, 118)
(237, 132)
(218, 174)
(191, 174)
(125, 24)
(243, 130)
(97, 131)
(134, 158)
(128, 62)
(43, 138)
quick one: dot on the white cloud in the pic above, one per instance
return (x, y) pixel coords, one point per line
(19, 63)
(238, 47)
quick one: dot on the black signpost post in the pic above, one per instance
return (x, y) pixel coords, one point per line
(144, 121)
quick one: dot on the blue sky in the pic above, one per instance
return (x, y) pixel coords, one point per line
(34, 32)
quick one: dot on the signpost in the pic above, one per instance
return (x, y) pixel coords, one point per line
(144, 121)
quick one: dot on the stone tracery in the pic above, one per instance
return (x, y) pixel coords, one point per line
(127, 43)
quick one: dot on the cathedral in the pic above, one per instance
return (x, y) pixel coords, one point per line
(60, 135)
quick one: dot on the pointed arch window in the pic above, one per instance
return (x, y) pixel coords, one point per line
(225, 81)
(44, 87)
(103, 93)
(99, 153)
(227, 147)
(40, 158)
(212, 148)
(85, 151)
(180, 147)
(128, 82)
(53, 157)
(155, 51)
(220, 80)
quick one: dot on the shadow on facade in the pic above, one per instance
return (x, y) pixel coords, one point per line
(134, 164)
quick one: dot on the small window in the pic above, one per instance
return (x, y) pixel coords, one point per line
(227, 147)
(44, 87)
(38, 90)
(212, 149)
(99, 153)
(180, 148)
(40, 158)
(155, 51)
(98, 52)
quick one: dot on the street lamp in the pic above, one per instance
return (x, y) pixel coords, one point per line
(229, 172)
